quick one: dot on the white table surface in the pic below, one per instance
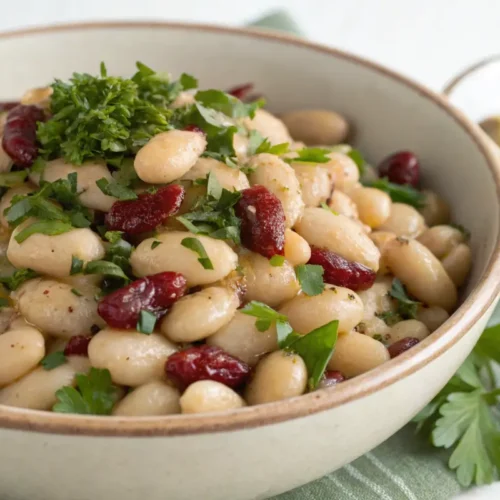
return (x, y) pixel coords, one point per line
(428, 40)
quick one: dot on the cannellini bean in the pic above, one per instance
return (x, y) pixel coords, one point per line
(356, 353)
(342, 204)
(39, 96)
(199, 315)
(408, 328)
(52, 255)
(240, 145)
(458, 263)
(20, 351)
(6, 200)
(280, 375)
(297, 250)
(277, 176)
(441, 240)
(374, 326)
(172, 256)
(131, 357)
(404, 221)
(315, 182)
(374, 206)
(339, 234)
(206, 396)
(335, 302)
(266, 283)
(381, 238)
(268, 126)
(229, 178)
(432, 317)
(182, 100)
(83, 281)
(421, 272)
(241, 338)
(87, 175)
(316, 126)
(37, 389)
(344, 170)
(377, 299)
(5, 160)
(436, 210)
(53, 308)
(169, 155)
(153, 399)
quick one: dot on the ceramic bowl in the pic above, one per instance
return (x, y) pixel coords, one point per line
(259, 451)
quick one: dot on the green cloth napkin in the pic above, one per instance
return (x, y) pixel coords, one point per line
(405, 467)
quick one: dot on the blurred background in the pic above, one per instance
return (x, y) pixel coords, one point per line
(429, 40)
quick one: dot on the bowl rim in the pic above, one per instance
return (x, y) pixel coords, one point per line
(475, 305)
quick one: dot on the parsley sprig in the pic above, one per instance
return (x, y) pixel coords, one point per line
(399, 193)
(406, 308)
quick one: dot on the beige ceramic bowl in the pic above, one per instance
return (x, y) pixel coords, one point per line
(264, 450)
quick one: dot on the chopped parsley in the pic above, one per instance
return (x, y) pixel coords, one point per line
(312, 155)
(310, 277)
(400, 193)
(277, 260)
(94, 394)
(15, 280)
(76, 292)
(53, 360)
(116, 190)
(12, 179)
(196, 246)
(406, 307)
(258, 144)
(266, 316)
(76, 265)
(48, 227)
(146, 323)
(155, 244)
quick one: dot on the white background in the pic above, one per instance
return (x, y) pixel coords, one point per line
(429, 40)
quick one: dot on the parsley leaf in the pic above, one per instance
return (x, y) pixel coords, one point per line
(259, 144)
(76, 292)
(94, 394)
(146, 322)
(106, 268)
(358, 159)
(14, 281)
(227, 104)
(312, 155)
(48, 227)
(400, 193)
(196, 246)
(266, 316)
(277, 260)
(116, 190)
(53, 360)
(155, 244)
(76, 265)
(407, 308)
(11, 179)
(310, 277)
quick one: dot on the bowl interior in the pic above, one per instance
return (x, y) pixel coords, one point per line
(386, 112)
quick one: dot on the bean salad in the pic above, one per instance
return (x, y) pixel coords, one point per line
(166, 249)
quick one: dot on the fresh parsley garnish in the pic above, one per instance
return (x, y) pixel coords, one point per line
(76, 265)
(12, 179)
(94, 394)
(266, 316)
(76, 292)
(155, 244)
(400, 193)
(464, 416)
(116, 190)
(312, 155)
(15, 280)
(259, 144)
(146, 323)
(213, 215)
(106, 268)
(196, 246)
(310, 277)
(406, 307)
(227, 104)
(390, 318)
(53, 360)
(356, 156)
(277, 260)
(48, 227)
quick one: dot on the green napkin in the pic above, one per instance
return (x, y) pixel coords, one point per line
(405, 467)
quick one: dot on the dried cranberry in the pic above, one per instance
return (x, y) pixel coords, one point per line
(241, 91)
(121, 309)
(206, 362)
(145, 213)
(402, 345)
(19, 134)
(331, 378)
(8, 105)
(401, 168)
(262, 221)
(342, 272)
(78, 346)
(193, 128)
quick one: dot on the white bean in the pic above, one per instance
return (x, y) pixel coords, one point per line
(53, 308)
(315, 182)
(20, 351)
(6, 200)
(381, 238)
(339, 234)
(436, 210)
(277, 176)
(408, 328)
(87, 174)
(421, 272)
(356, 353)
(376, 299)
(39, 96)
(169, 155)
(267, 283)
(280, 375)
(441, 240)
(37, 389)
(374, 206)
(404, 221)
(374, 327)
(183, 99)
(52, 255)
(268, 126)
(457, 263)
(172, 256)
(344, 169)
(342, 204)
(432, 317)
(200, 314)
(229, 178)
(297, 250)
(131, 357)
(206, 396)
(152, 399)
(241, 338)
(335, 302)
